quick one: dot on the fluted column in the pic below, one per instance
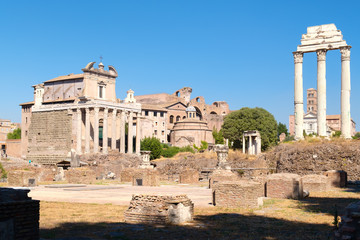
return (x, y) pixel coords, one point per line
(113, 130)
(96, 130)
(87, 130)
(78, 131)
(345, 92)
(243, 145)
(298, 95)
(122, 132)
(250, 146)
(130, 133)
(105, 131)
(321, 91)
(138, 133)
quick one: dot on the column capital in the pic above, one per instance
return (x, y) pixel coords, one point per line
(96, 109)
(87, 110)
(321, 54)
(106, 110)
(298, 57)
(114, 111)
(345, 53)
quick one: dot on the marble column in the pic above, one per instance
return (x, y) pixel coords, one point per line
(243, 144)
(138, 133)
(105, 131)
(130, 133)
(78, 130)
(345, 92)
(96, 130)
(298, 95)
(122, 132)
(321, 91)
(87, 130)
(250, 145)
(113, 130)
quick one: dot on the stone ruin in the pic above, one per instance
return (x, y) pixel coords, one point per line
(22, 178)
(349, 227)
(82, 175)
(189, 176)
(336, 178)
(157, 209)
(145, 177)
(284, 185)
(19, 215)
(145, 157)
(222, 152)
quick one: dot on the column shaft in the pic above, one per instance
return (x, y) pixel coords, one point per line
(78, 131)
(138, 133)
(122, 132)
(345, 93)
(250, 145)
(321, 91)
(130, 133)
(113, 130)
(243, 144)
(298, 95)
(96, 130)
(87, 130)
(105, 131)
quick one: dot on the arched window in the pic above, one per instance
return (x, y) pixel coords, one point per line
(171, 119)
(177, 94)
(178, 118)
(198, 99)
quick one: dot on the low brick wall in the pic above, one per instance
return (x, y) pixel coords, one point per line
(336, 178)
(22, 178)
(146, 177)
(284, 185)
(315, 183)
(80, 175)
(13, 148)
(127, 174)
(241, 193)
(157, 209)
(221, 175)
(189, 176)
(349, 227)
(19, 215)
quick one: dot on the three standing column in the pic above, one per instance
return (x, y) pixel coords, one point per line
(321, 91)
(298, 95)
(345, 92)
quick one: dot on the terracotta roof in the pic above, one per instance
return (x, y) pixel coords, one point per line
(66, 77)
(27, 103)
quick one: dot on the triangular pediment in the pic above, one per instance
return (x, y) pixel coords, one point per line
(310, 115)
(176, 106)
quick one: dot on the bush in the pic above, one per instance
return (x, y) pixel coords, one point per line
(336, 134)
(356, 136)
(169, 152)
(3, 173)
(204, 145)
(218, 136)
(16, 134)
(151, 144)
(187, 149)
(289, 138)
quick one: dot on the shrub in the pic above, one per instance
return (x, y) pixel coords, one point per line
(187, 149)
(336, 134)
(151, 144)
(3, 173)
(289, 138)
(169, 152)
(204, 145)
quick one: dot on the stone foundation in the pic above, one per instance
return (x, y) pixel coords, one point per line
(336, 178)
(127, 174)
(81, 175)
(349, 227)
(154, 209)
(189, 176)
(146, 177)
(284, 185)
(237, 194)
(222, 176)
(19, 215)
(315, 183)
(22, 178)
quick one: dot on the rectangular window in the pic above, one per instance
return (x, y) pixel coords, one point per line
(101, 91)
(161, 114)
(146, 113)
(155, 114)
(162, 132)
(155, 132)
(155, 123)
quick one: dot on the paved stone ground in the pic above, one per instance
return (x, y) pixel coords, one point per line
(118, 194)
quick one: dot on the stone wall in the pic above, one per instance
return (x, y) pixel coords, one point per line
(241, 193)
(221, 175)
(13, 148)
(81, 175)
(49, 137)
(284, 185)
(349, 227)
(157, 209)
(189, 176)
(22, 178)
(315, 183)
(19, 215)
(146, 177)
(336, 178)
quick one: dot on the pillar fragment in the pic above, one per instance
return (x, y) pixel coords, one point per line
(138, 133)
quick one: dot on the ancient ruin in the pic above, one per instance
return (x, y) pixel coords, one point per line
(321, 39)
(254, 144)
(284, 185)
(145, 157)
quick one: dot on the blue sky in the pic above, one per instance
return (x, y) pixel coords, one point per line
(235, 51)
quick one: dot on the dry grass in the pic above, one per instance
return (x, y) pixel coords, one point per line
(310, 218)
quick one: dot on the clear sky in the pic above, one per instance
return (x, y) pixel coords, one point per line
(234, 51)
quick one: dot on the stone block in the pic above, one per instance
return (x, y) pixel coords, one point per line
(127, 174)
(241, 193)
(315, 183)
(284, 185)
(22, 178)
(336, 178)
(81, 175)
(221, 175)
(189, 176)
(146, 177)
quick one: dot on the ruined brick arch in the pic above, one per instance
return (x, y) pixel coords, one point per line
(198, 113)
(177, 93)
(216, 104)
(171, 119)
(213, 112)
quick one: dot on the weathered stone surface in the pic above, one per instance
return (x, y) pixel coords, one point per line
(315, 183)
(241, 193)
(146, 177)
(80, 175)
(189, 176)
(349, 226)
(156, 209)
(221, 175)
(284, 185)
(22, 178)
(336, 178)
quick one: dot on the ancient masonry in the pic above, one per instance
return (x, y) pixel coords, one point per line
(321, 39)
(19, 215)
(156, 209)
(349, 227)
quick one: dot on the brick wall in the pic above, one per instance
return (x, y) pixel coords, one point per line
(315, 183)
(220, 175)
(336, 178)
(81, 175)
(13, 148)
(49, 137)
(284, 185)
(241, 193)
(20, 178)
(189, 176)
(147, 177)
(349, 227)
(19, 215)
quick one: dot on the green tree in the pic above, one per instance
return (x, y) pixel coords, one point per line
(204, 145)
(218, 136)
(247, 119)
(151, 144)
(281, 128)
(16, 134)
(357, 135)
